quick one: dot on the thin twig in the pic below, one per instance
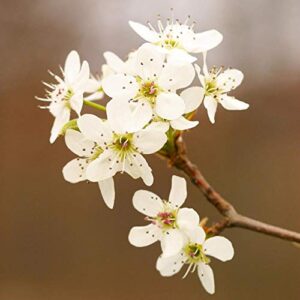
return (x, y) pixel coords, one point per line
(232, 218)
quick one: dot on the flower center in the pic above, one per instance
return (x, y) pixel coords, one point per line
(149, 90)
(195, 254)
(122, 143)
(170, 43)
(211, 88)
(62, 94)
(166, 219)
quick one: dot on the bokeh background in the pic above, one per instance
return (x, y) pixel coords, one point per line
(58, 241)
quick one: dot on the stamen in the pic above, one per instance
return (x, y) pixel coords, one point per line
(159, 24)
(151, 27)
(187, 271)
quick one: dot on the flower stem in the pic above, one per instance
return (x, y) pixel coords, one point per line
(94, 105)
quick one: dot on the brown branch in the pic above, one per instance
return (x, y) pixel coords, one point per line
(232, 218)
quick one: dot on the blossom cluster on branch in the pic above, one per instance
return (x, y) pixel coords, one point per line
(152, 99)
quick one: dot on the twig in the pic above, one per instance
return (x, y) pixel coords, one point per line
(232, 218)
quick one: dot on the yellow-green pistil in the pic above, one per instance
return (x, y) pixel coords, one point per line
(195, 254)
(122, 144)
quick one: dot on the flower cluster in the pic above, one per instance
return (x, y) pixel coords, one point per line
(151, 100)
(183, 240)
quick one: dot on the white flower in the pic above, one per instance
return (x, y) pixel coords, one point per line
(169, 222)
(67, 94)
(195, 254)
(217, 83)
(178, 40)
(123, 140)
(87, 151)
(154, 87)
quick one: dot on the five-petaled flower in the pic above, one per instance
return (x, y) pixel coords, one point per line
(195, 254)
(112, 146)
(178, 40)
(169, 222)
(217, 83)
(154, 87)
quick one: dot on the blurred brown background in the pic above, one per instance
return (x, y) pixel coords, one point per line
(58, 241)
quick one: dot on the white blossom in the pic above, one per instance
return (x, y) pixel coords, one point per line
(195, 254)
(154, 88)
(123, 140)
(67, 93)
(169, 222)
(178, 40)
(217, 83)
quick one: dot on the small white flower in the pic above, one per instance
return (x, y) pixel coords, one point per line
(178, 40)
(217, 83)
(154, 86)
(195, 254)
(87, 151)
(67, 94)
(123, 140)
(169, 222)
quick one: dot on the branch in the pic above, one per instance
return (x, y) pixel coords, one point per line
(232, 218)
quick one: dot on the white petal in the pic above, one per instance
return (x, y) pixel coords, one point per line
(169, 106)
(231, 103)
(176, 76)
(126, 117)
(187, 218)
(144, 32)
(141, 114)
(141, 236)
(107, 189)
(219, 247)
(76, 102)
(211, 106)
(114, 62)
(94, 129)
(149, 61)
(103, 167)
(120, 85)
(169, 266)
(206, 277)
(141, 167)
(196, 235)
(172, 242)
(205, 41)
(74, 171)
(162, 126)
(95, 96)
(192, 97)
(149, 141)
(179, 56)
(72, 66)
(183, 124)
(59, 123)
(178, 191)
(92, 85)
(81, 82)
(147, 203)
(229, 79)
(78, 143)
